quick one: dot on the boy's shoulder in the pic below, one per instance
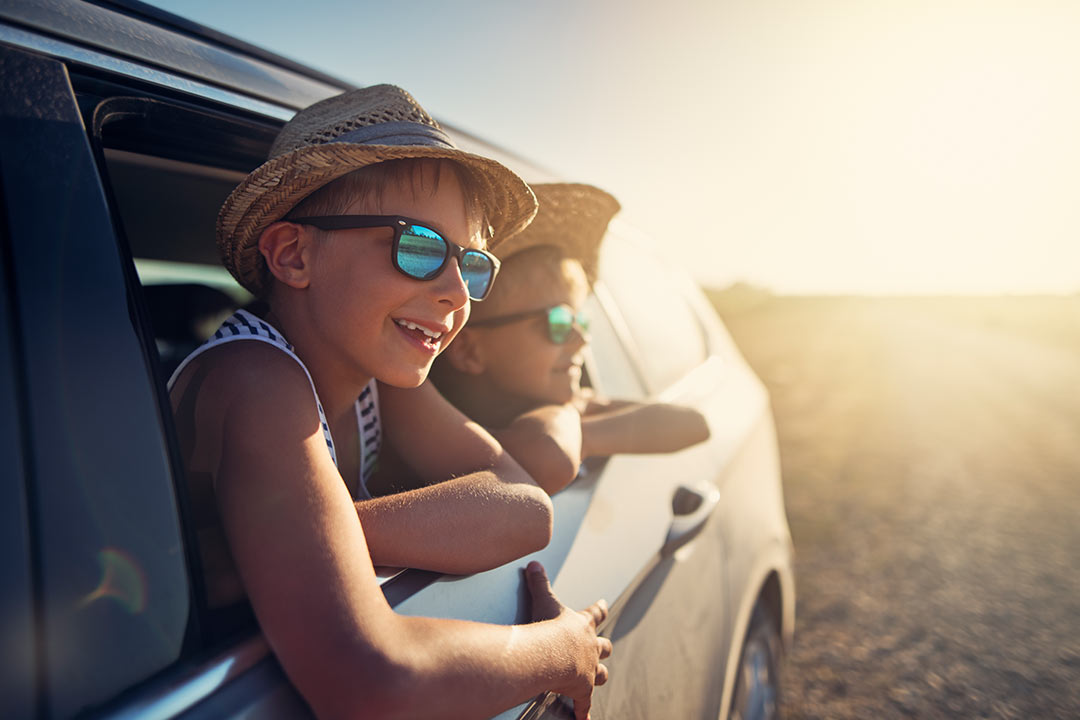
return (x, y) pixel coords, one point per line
(244, 373)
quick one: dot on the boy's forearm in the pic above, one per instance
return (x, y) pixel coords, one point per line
(477, 670)
(642, 428)
(470, 523)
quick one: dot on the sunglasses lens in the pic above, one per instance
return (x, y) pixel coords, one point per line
(560, 323)
(476, 271)
(421, 252)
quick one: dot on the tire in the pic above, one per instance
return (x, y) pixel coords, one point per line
(756, 695)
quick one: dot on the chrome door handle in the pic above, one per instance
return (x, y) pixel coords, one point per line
(692, 506)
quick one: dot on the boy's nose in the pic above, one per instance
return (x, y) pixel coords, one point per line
(451, 286)
(579, 337)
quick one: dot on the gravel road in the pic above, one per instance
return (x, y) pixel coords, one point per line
(931, 456)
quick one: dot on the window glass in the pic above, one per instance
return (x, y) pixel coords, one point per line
(111, 567)
(611, 372)
(650, 296)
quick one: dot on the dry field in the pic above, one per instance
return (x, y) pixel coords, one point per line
(931, 455)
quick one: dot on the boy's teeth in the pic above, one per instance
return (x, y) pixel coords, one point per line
(413, 326)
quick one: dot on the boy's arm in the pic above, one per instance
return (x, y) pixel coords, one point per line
(642, 428)
(589, 403)
(302, 556)
(480, 510)
(547, 442)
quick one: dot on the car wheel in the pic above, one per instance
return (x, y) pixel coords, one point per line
(756, 694)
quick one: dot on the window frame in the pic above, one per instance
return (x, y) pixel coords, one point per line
(85, 478)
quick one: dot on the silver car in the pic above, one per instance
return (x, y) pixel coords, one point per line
(124, 128)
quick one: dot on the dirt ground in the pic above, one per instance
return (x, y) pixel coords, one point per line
(931, 457)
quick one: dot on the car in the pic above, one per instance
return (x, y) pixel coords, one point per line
(123, 129)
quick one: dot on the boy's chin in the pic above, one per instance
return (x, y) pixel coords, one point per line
(560, 395)
(406, 380)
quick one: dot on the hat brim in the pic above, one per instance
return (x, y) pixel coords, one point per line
(573, 217)
(275, 187)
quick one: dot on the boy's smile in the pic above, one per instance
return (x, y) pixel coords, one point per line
(426, 336)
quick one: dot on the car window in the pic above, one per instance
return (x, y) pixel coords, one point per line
(650, 297)
(168, 168)
(111, 581)
(611, 372)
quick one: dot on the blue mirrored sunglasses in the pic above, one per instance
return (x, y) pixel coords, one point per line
(419, 251)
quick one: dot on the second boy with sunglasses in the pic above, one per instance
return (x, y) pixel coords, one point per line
(516, 367)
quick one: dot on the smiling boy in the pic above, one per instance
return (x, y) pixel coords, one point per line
(365, 234)
(517, 367)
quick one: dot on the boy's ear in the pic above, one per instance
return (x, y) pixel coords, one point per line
(284, 247)
(466, 353)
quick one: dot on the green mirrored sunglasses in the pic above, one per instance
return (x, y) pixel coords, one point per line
(561, 320)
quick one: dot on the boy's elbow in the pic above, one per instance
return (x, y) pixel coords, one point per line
(528, 525)
(558, 471)
(539, 520)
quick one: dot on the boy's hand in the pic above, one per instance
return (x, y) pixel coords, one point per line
(583, 399)
(586, 648)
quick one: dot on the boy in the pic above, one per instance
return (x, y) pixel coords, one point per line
(517, 365)
(364, 233)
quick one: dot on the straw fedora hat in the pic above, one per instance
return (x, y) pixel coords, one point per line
(336, 136)
(573, 217)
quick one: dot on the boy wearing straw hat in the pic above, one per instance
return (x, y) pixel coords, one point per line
(516, 367)
(365, 234)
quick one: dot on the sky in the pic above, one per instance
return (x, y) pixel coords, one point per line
(805, 146)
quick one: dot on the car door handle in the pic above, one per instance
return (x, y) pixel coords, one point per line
(692, 506)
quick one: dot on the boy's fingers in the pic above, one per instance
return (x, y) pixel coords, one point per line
(598, 611)
(601, 674)
(545, 605)
(537, 580)
(605, 647)
(581, 707)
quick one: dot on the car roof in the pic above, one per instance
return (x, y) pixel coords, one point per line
(146, 43)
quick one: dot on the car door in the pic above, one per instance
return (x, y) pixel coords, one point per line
(109, 588)
(676, 629)
(101, 613)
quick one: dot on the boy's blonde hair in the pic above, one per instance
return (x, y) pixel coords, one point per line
(371, 181)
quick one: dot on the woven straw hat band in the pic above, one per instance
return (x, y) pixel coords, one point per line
(330, 119)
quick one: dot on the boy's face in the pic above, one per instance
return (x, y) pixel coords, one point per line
(519, 357)
(371, 318)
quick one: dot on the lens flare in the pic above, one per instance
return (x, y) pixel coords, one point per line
(121, 579)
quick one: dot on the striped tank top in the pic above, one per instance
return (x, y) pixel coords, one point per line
(242, 325)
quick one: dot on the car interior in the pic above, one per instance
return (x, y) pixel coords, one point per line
(166, 193)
